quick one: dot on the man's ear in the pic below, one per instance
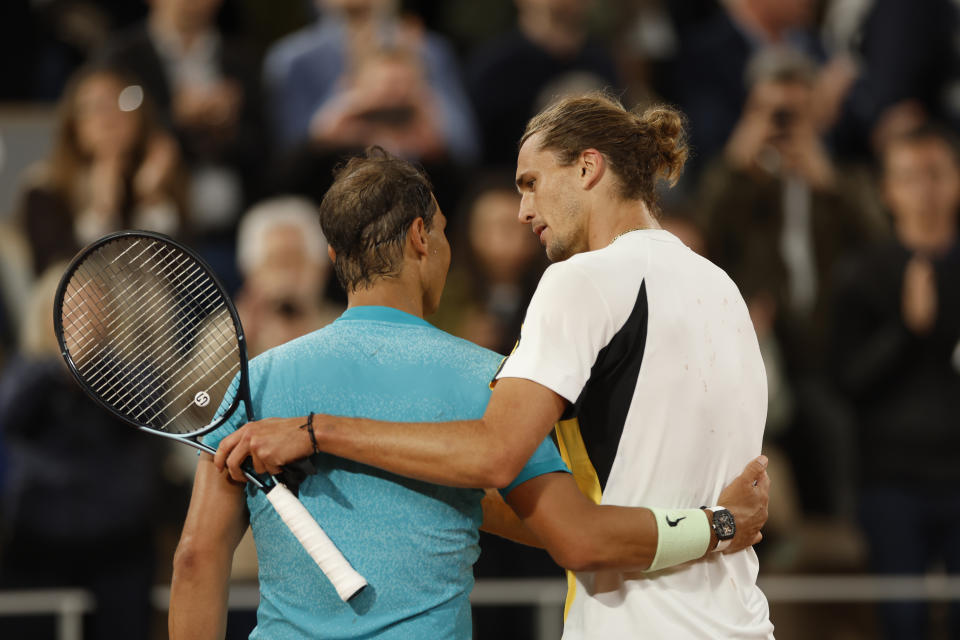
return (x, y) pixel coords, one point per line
(417, 237)
(331, 253)
(591, 166)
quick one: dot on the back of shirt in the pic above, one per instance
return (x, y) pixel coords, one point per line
(653, 347)
(414, 542)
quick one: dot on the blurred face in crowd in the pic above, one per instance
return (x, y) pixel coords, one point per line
(188, 14)
(393, 80)
(356, 9)
(783, 14)
(922, 188)
(503, 248)
(281, 296)
(105, 123)
(284, 248)
(563, 13)
(786, 105)
(551, 202)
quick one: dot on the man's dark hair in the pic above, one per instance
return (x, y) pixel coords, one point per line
(927, 132)
(366, 213)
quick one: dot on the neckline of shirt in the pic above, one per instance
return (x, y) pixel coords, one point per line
(656, 234)
(380, 313)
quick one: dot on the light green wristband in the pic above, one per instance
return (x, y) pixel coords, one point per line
(682, 535)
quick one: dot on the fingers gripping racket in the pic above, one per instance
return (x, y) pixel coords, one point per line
(150, 333)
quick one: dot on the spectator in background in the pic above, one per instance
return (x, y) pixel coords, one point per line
(779, 215)
(80, 489)
(779, 210)
(386, 94)
(385, 99)
(506, 77)
(311, 68)
(112, 167)
(16, 276)
(705, 78)
(905, 60)
(496, 272)
(208, 93)
(897, 357)
(282, 256)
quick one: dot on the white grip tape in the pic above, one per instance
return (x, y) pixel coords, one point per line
(345, 579)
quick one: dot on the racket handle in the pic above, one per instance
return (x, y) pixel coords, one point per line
(345, 579)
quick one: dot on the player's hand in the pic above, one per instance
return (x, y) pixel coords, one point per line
(747, 498)
(269, 443)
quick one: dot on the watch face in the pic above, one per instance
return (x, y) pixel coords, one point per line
(723, 524)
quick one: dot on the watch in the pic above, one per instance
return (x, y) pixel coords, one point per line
(724, 526)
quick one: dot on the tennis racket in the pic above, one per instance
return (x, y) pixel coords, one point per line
(149, 332)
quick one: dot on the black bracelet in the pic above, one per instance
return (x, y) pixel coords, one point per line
(309, 427)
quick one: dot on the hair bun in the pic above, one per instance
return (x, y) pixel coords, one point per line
(665, 126)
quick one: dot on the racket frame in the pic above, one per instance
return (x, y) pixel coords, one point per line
(243, 392)
(344, 578)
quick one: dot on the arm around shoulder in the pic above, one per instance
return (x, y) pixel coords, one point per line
(583, 536)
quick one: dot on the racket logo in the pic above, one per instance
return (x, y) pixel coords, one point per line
(202, 399)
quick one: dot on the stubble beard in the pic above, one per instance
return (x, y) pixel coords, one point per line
(574, 241)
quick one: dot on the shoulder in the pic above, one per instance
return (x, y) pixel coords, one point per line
(594, 269)
(579, 280)
(583, 289)
(468, 349)
(302, 43)
(437, 48)
(290, 352)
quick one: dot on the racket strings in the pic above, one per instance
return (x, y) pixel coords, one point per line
(151, 327)
(105, 324)
(193, 369)
(112, 316)
(94, 328)
(149, 311)
(79, 288)
(160, 332)
(166, 373)
(130, 319)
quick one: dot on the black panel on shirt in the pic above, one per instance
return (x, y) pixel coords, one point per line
(603, 404)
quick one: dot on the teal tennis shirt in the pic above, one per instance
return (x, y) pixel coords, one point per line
(414, 542)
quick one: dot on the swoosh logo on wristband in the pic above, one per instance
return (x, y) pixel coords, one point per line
(674, 523)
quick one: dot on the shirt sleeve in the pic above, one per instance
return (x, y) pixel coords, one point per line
(236, 420)
(567, 323)
(546, 459)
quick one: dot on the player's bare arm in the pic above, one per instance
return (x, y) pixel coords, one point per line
(216, 521)
(500, 519)
(583, 536)
(553, 512)
(488, 452)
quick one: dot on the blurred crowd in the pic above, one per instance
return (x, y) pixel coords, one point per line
(825, 179)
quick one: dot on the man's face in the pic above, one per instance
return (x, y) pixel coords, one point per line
(786, 14)
(438, 263)
(786, 107)
(551, 201)
(194, 13)
(922, 184)
(503, 250)
(103, 128)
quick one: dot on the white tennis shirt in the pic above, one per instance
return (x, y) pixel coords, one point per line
(653, 347)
